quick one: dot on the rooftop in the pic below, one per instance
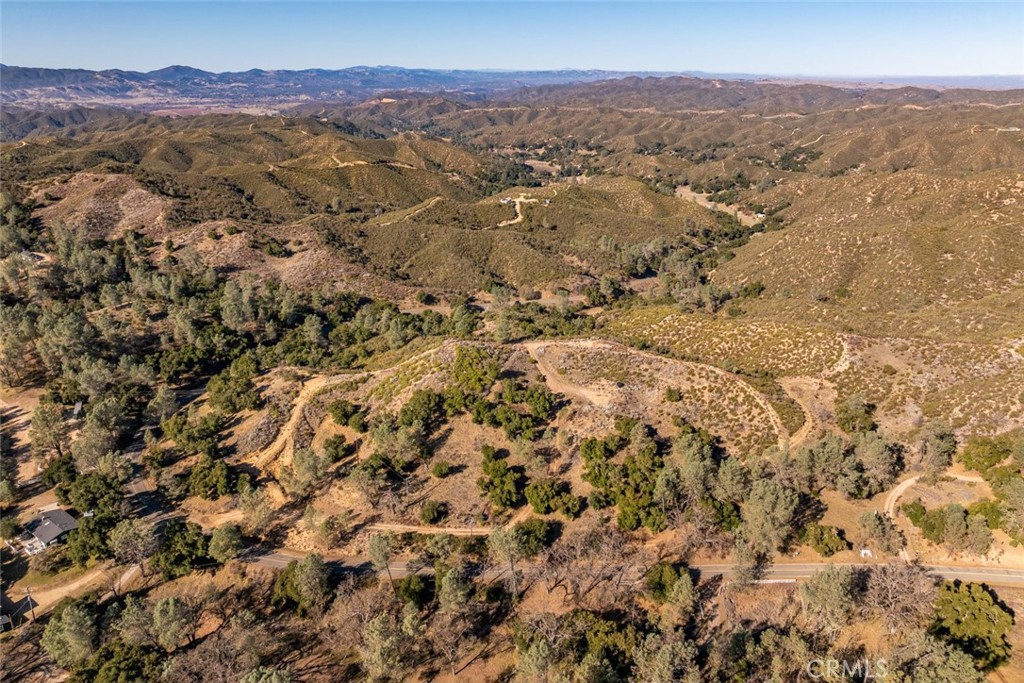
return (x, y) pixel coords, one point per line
(50, 525)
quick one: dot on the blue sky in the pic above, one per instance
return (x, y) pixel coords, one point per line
(807, 38)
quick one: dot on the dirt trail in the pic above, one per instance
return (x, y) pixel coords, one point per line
(894, 495)
(843, 364)
(903, 487)
(345, 164)
(285, 439)
(48, 596)
(744, 217)
(560, 385)
(518, 201)
(419, 529)
(286, 435)
(212, 521)
(430, 203)
(803, 390)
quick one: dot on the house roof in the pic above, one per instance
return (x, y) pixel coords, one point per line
(50, 525)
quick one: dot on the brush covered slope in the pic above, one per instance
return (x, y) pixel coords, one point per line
(627, 381)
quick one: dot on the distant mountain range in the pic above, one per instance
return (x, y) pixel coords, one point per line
(183, 86)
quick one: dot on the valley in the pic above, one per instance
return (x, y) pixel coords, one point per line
(509, 377)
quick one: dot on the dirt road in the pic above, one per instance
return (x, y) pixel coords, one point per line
(419, 529)
(285, 438)
(518, 201)
(560, 385)
(429, 204)
(744, 217)
(896, 493)
(802, 390)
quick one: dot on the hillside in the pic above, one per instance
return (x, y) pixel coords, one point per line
(411, 207)
(472, 376)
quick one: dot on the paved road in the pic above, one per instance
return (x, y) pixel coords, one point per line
(996, 576)
(991, 575)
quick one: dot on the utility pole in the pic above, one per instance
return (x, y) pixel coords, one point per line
(31, 604)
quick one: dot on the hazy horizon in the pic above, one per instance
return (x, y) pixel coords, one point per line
(498, 70)
(823, 40)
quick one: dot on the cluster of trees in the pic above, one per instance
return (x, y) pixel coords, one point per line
(233, 389)
(614, 629)
(859, 467)
(826, 540)
(1000, 460)
(548, 495)
(108, 325)
(135, 638)
(630, 486)
(529, 320)
(346, 413)
(951, 633)
(760, 505)
(401, 441)
(952, 525)
(503, 485)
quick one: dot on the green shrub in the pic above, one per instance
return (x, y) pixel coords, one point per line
(543, 495)
(533, 535)
(182, 549)
(210, 479)
(982, 453)
(433, 512)
(990, 510)
(194, 436)
(474, 370)
(501, 484)
(336, 448)
(358, 422)
(569, 505)
(414, 589)
(660, 579)
(233, 390)
(441, 469)
(425, 408)
(341, 411)
(826, 540)
(9, 528)
(967, 615)
(932, 523)
(855, 414)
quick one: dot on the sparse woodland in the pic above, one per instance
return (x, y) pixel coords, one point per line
(350, 418)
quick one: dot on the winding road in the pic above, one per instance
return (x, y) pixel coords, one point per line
(560, 385)
(518, 201)
(744, 218)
